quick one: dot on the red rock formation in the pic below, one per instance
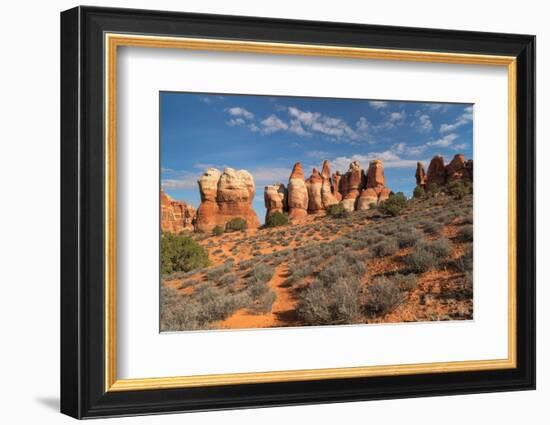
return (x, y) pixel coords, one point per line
(367, 197)
(457, 169)
(314, 184)
(297, 194)
(375, 190)
(225, 196)
(436, 171)
(420, 175)
(275, 199)
(352, 183)
(375, 175)
(336, 183)
(176, 216)
(327, 195)
(440, 174)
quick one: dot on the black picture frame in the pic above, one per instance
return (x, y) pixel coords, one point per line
(82, 212)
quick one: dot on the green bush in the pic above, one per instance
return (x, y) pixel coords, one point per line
(394, 205)
(337, 211)
(217, 231)
(458, 189)
(419, 192)
(235, 225)
(276, 219)
(373, 206)
(180, 253)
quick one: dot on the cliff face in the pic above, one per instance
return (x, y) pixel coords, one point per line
(175, 216)
(225, 196)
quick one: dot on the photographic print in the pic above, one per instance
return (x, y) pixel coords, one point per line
(280, 211)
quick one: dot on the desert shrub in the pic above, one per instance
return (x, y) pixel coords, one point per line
(373, 206)
(206, 305)
(421, 260)
(188, 283)
(335, 303)
(180, 253)
(458, 189)
(217, 231)
(262, 273)
(405, 282)
(235, 225)
(383, 295)
(394, 205)
(265, 303)
(433, 189)
(374, 237)
(333, 271)
(465, 263)
(466, 233)
(428, 255)
(276, 219)
(441, 247)
(408, 238)
(432, 227)
(255, 288)
(228, 279)
(388, 246)
(419, 192)
(337, 211)
(215, 273)
(217, 305)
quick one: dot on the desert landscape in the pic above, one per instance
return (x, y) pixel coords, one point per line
(335, 248)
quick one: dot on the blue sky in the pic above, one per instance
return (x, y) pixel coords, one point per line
(266, 135)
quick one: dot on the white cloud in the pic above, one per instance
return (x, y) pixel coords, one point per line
(439, 107)
(445, 141)
(306, 123)
(264, 176)
(460, 147)
(237, 111)
(362, 124)
(388, 157)
(296, 128)
(318, 154)
(424, 123)
(235, 122)
(465, 118)
(273, 124)
(392, 119)
(378, 104)
(210, 99)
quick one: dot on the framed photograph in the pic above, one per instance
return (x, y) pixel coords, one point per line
(261, 212)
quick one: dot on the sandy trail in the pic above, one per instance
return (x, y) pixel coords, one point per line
(282, 312)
